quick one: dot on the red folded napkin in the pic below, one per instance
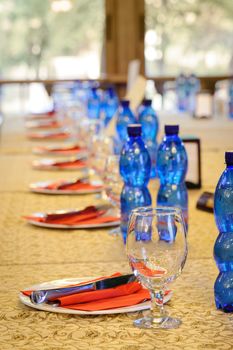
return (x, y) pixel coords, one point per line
(79, 163)
(115, 302)
(53, 124)
(71, 164)
(125, 295)
(89, 215)
(42, 115)
(77, 185)
(65, 149)
(60, 135)
(146, 271)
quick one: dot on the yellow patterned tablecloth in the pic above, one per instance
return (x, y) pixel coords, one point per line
(31, 255)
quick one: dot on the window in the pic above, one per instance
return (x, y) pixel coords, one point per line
(51, 38)
(189, 36)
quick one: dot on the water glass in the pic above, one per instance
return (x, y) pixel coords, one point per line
(157, 249)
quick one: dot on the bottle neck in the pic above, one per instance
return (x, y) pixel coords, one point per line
(125, 109)
(134, 138)
(171, 137)
(229, 166)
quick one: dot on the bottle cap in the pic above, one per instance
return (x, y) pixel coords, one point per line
(229, 158)
(124, 103)
(147, 102)
(171, 129)
(134, 129)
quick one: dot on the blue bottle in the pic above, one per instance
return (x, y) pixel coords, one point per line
(181, 93)
(94, 104)
(124, 118)
(223, 248)
(230, 93)
(135, 165)
(110, 105)
(150, 127)
(172, 164)
(193, 87)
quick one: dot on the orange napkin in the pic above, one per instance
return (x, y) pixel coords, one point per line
(77, 185)
(70, 164)
(53, 124)
(146, 271)
(46, 115)
(67, 149)
(114, 302)
(89, 215)
(60, 135)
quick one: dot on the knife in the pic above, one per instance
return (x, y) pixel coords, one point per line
(45, 295)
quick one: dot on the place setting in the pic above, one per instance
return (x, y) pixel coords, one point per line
(49, 135)
(60, 150)
(73, 163)
(43, 124)
(156, 249)
(43, 116)
(80, 186)
(90, 296)
(92, 216)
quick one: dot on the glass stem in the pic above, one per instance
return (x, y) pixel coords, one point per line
(158, 311)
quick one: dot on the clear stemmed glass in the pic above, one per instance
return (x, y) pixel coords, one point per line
(113, 184)
(112, 180)
(157, 249)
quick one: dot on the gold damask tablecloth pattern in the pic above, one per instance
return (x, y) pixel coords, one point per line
(32, 255)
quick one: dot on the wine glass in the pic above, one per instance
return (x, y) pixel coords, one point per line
(112, 180)
(113, 184)
(157, 249)
(101, 148)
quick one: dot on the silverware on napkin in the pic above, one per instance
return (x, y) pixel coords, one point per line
(65, 213)
(67, 183)
(45, 295)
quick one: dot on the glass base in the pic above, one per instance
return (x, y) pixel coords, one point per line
(163, 322)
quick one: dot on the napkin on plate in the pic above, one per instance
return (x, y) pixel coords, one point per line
(60, 135)
(74, 148)
(125, 295)
(53, 124)
(69, 163)
(89, 215)
(43, 115)
(72, 185)
(66, 164)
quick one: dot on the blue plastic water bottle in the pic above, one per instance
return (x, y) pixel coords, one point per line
(172, 163)
(110, 105)
(135, 165)
(223, 249)
(231, 99)
(150, 127)
(124, 118)
(181, 93)
(94, 104)
(193, 87)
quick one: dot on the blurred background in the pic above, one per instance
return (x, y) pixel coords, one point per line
(96, 39)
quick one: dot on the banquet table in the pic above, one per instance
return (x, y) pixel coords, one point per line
(31, 255)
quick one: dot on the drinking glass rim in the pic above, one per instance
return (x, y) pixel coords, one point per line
(161, 210)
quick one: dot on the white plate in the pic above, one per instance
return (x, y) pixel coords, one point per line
(39, 187)
(110, 212)
(48, 164)
(58, 283)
